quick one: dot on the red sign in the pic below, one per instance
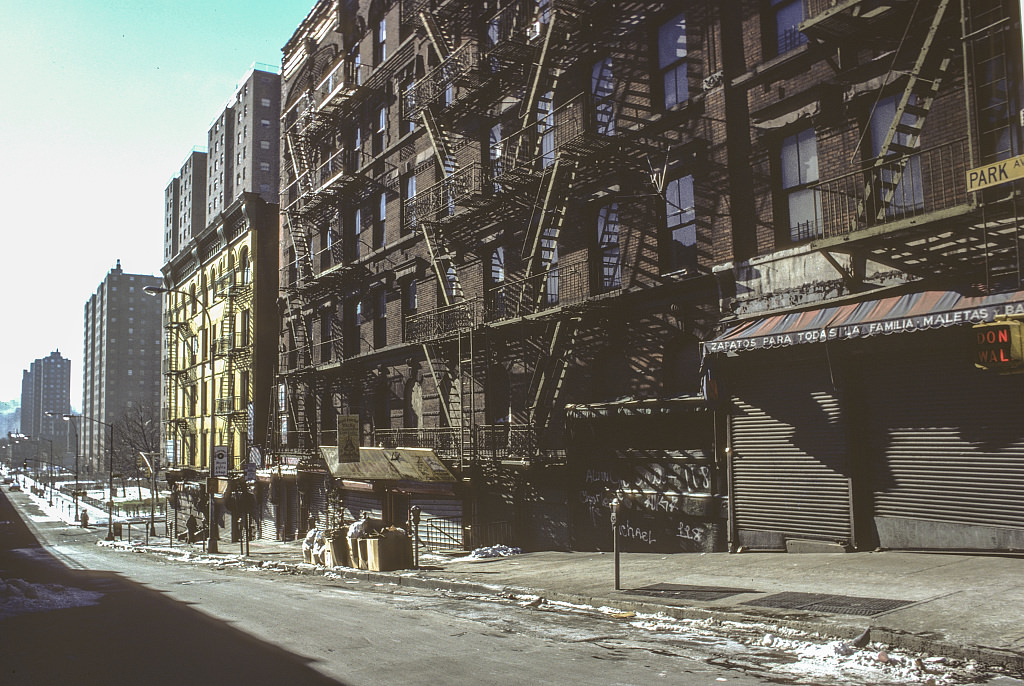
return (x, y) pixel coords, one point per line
(998, 345)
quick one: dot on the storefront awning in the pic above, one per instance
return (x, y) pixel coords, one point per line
(389, 464)
(898, 314)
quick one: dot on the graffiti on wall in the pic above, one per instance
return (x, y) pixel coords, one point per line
(665, 504)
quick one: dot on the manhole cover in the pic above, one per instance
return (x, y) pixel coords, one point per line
(687, 592)
(833, 604)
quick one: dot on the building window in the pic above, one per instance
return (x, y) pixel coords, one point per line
(451, 283)
(546, 128)
(357, 234)
(378, 225)
(379, 136)
(494, 146)
(410, 300)
(799, 166)
(265, 123)
(786, 16)
(265, 102)
(265, 166)
(541, 18)
(380, 313)
(681, 225)
(900, 183)
(409, 101)
(672, 61)
(408, 203)
(602, 90)
(497, 275)
(380, 41)
(264, 145)
(608, 246)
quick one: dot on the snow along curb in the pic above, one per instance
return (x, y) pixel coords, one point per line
(901, 640)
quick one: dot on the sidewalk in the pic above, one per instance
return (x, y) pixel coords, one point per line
(956, 605)
(961, 606)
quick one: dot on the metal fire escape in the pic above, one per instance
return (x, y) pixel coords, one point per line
(909, 207)
(180, 375)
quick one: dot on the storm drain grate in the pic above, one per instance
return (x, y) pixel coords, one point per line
(687, 592)
(834, 604)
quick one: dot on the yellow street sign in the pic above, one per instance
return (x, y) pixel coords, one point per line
(995, 173)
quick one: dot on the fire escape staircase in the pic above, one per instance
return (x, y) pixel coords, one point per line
(542, 235)
(923, 83)
(549, 374)
(438, 38)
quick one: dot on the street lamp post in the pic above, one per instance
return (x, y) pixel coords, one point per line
(110, 466)
(211, 546)
(50, 465)
(67, 418)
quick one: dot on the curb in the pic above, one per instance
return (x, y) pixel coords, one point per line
(903, 640)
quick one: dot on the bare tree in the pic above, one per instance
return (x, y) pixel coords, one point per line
(137, 430)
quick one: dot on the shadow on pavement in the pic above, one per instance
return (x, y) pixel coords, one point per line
(132, 635)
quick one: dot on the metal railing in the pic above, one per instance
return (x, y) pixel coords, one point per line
(442, 321)
(432, 87)
(513, 24)
(561, 285)
(445, 196)
(443, 440)
(910, 186)
(538, 142)
(506, 441)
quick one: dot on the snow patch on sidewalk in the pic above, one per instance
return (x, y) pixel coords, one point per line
(18, 597)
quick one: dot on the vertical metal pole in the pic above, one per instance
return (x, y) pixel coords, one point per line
(110, 500)
(77, 443)
(615, 539)
(152, 501)
(415, 512)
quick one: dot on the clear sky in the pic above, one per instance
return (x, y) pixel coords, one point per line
(100, 103)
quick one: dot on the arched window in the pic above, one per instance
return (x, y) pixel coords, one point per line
(245, 266)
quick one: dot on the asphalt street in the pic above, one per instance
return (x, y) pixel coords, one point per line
(148, 619)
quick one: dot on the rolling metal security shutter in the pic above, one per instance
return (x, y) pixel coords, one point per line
(789, 451)
(950, 441)
(356, 503)
(440, 523)
(317, 494)
(265, 513)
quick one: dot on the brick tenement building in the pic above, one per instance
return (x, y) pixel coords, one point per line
(507, 229)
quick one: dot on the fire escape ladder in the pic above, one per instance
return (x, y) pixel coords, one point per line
(529, 104)
(545, 227)
(923, 83)
(303, 258)
(436, 367)
(442, 262)
(438, 141)
(549, 374)
(440, 256)
(436, 35)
